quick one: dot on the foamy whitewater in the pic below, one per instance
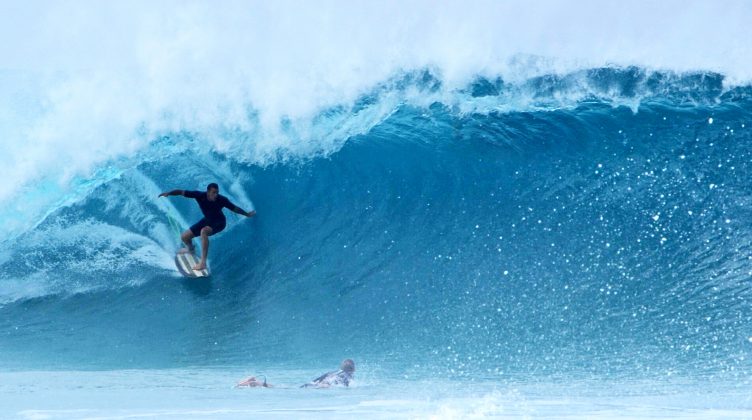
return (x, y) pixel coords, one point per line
(497, 209)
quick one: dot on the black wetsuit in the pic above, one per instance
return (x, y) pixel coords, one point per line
(213, 216)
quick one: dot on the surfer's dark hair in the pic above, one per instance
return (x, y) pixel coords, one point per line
(212, 185)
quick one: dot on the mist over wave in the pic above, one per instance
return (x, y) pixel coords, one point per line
(88, 84)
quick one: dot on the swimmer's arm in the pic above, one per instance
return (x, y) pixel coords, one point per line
(173, 192)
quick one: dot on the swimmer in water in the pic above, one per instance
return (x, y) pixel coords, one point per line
(341, 377)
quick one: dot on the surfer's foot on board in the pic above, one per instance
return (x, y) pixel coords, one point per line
(186, 251)
(200, 266)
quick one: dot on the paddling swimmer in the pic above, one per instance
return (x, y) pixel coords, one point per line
(252, 382)
(342, 377)
(211, 204)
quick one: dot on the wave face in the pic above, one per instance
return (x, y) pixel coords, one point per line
(595, 222)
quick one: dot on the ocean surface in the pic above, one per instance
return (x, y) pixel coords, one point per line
(487, 230)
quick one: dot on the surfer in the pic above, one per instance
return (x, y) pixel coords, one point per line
(211, 204)
(341, 377)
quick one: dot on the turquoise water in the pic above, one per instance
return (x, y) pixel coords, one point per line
(488, 229)
(208, 393)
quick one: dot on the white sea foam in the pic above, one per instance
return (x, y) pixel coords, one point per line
(103, 249)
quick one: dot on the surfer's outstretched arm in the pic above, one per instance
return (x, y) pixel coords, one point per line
(238, 210)
(173, 192)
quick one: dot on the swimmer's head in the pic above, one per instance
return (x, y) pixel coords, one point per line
(348, 366)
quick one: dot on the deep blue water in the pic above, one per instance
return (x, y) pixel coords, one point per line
(603, 229)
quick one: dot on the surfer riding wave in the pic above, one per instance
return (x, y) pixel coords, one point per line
(211, 203)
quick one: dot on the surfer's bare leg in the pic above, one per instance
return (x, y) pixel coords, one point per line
(187, 238)
(205, 232)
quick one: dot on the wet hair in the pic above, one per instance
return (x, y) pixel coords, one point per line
(212, 185)
(348, 365)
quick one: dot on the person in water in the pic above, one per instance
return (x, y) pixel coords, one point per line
(252, 382)
(336, 378)
(211, 204)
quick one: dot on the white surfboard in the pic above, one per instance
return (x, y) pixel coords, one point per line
(185, 263)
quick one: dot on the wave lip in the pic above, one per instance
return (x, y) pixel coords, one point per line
(43, 187)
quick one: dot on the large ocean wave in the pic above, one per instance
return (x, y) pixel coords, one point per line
(572, 234)
(513, 214)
